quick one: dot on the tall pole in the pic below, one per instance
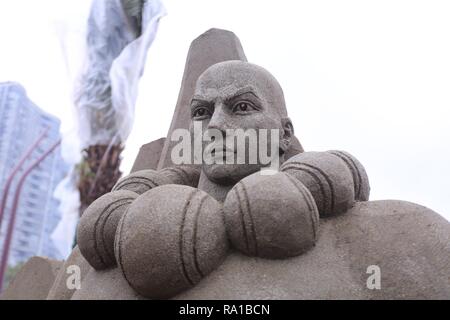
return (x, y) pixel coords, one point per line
(14, 171)
(7, 243)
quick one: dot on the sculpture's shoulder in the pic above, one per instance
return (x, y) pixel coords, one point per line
(408, 242)
(395, 222)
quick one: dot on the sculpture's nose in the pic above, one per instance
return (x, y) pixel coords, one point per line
(219, 119)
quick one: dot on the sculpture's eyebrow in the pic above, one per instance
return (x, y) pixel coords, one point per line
(240, 92)
(228, 97)
(200, 99)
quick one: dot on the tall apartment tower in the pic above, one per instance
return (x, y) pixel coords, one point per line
(21, 123)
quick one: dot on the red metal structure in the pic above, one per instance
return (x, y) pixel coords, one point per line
(10, 230)
(14, 172)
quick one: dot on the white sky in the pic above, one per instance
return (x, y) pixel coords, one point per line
(368, 77)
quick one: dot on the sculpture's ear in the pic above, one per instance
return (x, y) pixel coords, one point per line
(287, 134)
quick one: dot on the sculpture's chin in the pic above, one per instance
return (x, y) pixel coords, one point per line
(226, 174)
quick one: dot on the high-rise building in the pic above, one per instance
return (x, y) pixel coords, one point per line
(21, 123)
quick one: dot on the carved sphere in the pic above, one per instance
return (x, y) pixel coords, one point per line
(360, 179)
(328, 179)
(169, 239)
(271, 216)
(141, 181)
(97, 227)
(187, 175)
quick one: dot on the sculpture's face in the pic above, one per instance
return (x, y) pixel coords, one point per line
(238, 95)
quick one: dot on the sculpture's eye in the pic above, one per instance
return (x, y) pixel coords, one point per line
(243, 107)
(201, 113)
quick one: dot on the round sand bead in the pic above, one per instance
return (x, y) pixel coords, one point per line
(169, 239)
(141, 181)
(97, 227)
(271, 216)
(360, 179)
(328, 179)
(187, 175)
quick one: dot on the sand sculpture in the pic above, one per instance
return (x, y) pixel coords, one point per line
(233, 231)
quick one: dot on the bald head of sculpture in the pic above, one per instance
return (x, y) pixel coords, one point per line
(235, 95)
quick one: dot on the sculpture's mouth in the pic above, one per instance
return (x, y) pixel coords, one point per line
(224, 151)
(218, 151)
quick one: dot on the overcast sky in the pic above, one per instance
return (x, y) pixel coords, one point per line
(368, 77)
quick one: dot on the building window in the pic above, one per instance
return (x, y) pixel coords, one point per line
(27, 224)
(23, 243)
(33, 195)
(35, 186)
(36, 177)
